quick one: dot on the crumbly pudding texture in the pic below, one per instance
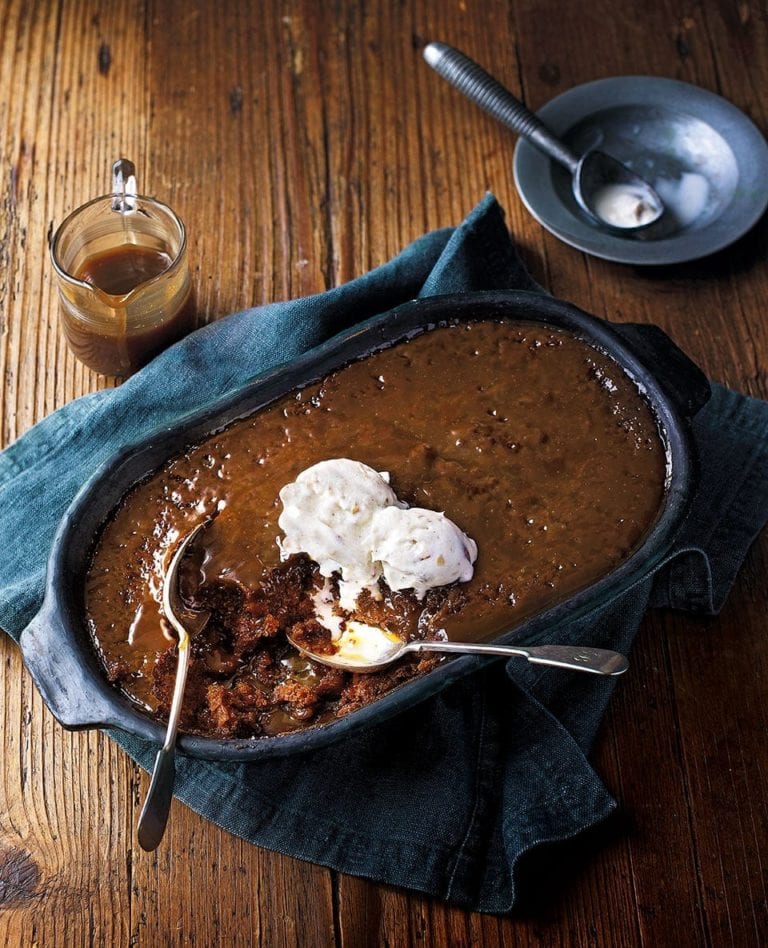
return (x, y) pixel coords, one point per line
(536, 445)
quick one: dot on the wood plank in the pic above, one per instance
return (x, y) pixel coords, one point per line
(206, 887)
(709, 308)
(65, 825)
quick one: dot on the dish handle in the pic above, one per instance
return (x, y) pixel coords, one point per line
(681, 378)
(72, 695)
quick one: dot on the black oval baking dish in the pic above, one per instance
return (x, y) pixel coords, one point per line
(57, 646)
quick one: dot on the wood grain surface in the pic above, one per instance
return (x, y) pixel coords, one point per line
(303, 143)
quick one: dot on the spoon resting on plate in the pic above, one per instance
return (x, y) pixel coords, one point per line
(608, 191)
(368, 648)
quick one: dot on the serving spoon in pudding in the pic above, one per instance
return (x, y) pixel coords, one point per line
(368, 648)
(186, 623)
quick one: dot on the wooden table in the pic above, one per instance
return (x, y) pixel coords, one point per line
(303, 143)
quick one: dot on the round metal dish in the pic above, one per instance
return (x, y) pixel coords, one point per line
(705, 157)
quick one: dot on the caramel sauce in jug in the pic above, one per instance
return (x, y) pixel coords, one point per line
(130, 338)
(121, 269)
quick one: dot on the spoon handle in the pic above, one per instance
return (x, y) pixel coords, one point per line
(157, 806)
(598, 661)
(481, 88)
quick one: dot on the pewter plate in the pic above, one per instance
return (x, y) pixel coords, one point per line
(708, 161)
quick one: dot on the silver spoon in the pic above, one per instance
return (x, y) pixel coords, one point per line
(352, 645)
(599, 181)
(186, 622)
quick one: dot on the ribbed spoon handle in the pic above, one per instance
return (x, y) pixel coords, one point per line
(481, 88)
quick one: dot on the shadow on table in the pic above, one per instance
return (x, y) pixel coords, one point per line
(547, 874)
(740, 257)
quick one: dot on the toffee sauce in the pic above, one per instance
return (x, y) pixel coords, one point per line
(120, 269)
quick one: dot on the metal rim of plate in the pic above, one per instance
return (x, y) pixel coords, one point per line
(534, 172)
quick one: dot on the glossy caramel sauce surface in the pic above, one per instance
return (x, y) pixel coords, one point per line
(537, 445)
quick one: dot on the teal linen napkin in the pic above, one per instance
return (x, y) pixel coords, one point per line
(449, 796)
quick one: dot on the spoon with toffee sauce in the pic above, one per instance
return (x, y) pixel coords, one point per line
(186, 623)
(368, 648)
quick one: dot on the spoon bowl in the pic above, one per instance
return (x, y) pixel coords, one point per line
(613, 195)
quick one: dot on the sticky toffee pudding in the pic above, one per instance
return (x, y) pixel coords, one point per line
(534, 443)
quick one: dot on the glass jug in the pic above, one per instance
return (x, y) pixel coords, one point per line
(123, 277)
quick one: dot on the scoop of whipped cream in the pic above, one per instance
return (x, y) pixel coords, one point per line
(419, 549)
(346, 517)
(327, 514)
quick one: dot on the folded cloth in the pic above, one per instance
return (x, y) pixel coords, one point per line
(447, 797)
